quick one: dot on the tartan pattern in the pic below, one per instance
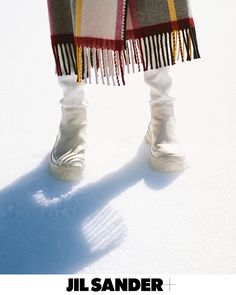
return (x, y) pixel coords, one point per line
(111, 36)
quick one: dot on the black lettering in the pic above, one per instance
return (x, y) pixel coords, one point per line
(134, 284)
(156, 284)
(145, 285)
(76, 284)
(70, 285)
(96, 286)
(121, 285)
(107, 285)
(82, 285)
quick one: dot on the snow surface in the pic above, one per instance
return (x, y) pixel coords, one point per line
(121, 217)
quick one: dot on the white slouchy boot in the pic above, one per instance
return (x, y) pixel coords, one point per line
(68, 154)
(166, 153)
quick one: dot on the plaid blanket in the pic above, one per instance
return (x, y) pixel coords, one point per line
(104, 39)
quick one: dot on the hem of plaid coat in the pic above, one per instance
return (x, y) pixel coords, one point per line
(149, 47)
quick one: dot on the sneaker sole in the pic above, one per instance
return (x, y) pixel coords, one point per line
(166, 163)
(65, 172)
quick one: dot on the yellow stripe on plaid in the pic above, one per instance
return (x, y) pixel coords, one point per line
(173, 18)
(78, 16)
(172, 10)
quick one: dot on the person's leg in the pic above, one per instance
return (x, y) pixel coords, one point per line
(166, 153)
(68, 154)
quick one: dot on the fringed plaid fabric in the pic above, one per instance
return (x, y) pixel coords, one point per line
(100, 40)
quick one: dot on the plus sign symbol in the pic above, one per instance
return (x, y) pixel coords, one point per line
(169, 284)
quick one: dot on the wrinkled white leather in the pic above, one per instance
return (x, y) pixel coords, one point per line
(162, 123)
(69, 148)
(73, 92)
(160, 83)
(161, 133)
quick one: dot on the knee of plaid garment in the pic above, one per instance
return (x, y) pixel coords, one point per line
(166, 152)
(68, 154)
